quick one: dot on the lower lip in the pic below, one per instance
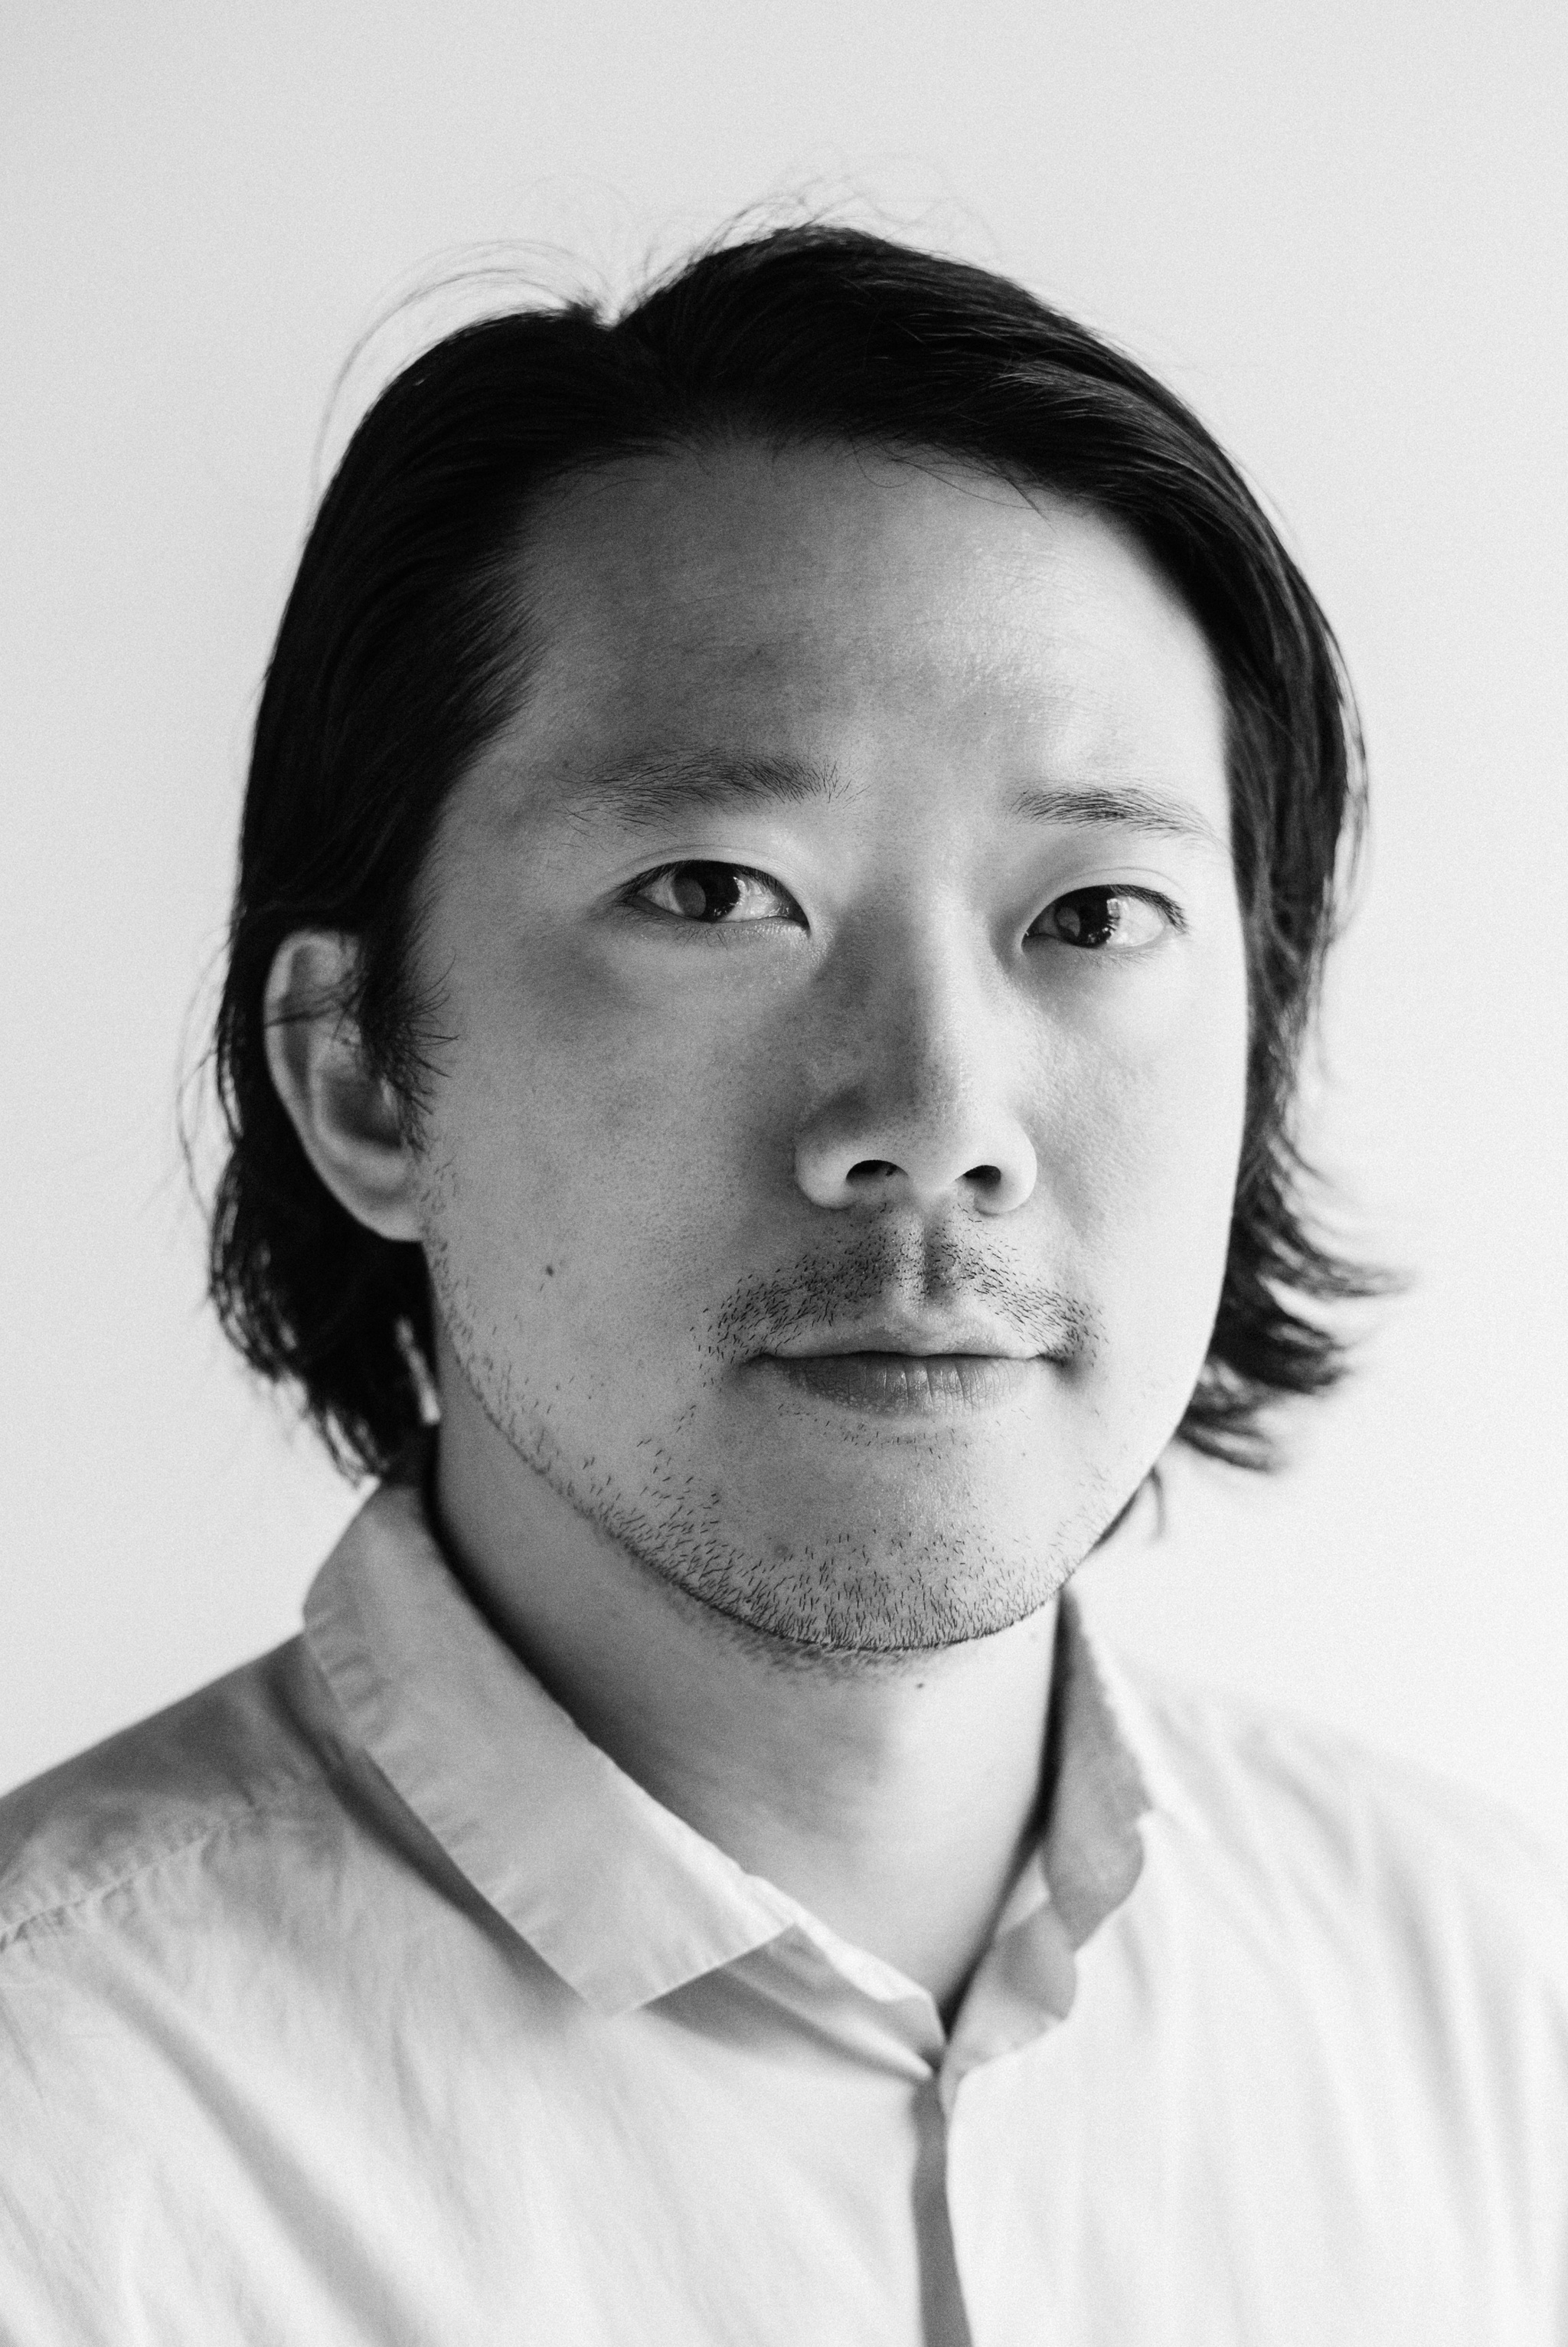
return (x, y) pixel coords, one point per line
(907, 1385)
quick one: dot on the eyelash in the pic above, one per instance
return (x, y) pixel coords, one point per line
(695, 863)
(1169, 912)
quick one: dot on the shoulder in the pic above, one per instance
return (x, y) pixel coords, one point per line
(1346, 1844)
(255, 1744)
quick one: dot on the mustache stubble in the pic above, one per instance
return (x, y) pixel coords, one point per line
(901, 1266)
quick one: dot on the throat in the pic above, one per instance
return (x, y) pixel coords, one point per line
(898, 1806)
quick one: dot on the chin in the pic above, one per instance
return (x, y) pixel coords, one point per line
(868, 1599)
(871, 1580)
(1020, 1496)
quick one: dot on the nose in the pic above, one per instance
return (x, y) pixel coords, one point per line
(920, 1105)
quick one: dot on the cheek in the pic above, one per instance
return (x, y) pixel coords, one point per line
(596, 1158)
(1141, 1157)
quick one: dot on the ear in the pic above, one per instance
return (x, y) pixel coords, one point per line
(345, 1115)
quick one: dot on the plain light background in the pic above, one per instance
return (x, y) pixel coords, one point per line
(1337, 230)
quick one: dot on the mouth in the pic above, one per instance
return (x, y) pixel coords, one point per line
(900, 1382)
(981, 1342)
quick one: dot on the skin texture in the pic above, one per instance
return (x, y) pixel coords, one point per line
(815, 1284)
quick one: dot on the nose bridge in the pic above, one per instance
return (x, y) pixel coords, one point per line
(920, 1091)
(931, 1022)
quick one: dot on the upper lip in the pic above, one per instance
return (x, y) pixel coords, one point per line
(920, 1339)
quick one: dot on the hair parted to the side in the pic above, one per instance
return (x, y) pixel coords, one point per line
(399, 658)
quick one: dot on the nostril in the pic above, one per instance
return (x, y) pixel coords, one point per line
(873, 1169)
(985, 1177)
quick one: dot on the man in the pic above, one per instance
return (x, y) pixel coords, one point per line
(789, 848)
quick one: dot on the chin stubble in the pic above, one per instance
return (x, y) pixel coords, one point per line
(840, 1598)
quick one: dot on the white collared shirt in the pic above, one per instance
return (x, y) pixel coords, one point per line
(360, 1999)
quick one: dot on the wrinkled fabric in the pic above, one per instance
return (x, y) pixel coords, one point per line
(360, 1998)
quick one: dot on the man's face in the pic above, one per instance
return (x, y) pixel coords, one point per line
(829, 1155)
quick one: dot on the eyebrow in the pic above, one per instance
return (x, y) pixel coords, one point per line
(651, 788)
(1126, 803)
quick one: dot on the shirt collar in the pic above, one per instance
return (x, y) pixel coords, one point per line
(1105, 1772)
(620, 1897)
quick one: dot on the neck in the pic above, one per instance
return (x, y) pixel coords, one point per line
(894, 1796)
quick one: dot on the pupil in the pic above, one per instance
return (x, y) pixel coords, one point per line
(1087, 917)
(705, 892)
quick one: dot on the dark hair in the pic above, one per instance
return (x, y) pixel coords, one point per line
(398, 658)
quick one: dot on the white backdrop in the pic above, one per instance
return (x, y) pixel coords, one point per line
(1337, 229)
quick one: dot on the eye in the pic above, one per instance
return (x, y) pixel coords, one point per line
(1116, 919)
(714, 893)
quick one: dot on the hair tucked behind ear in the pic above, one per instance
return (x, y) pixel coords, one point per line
(400, 655)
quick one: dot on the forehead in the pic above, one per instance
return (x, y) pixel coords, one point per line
(845, 604)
